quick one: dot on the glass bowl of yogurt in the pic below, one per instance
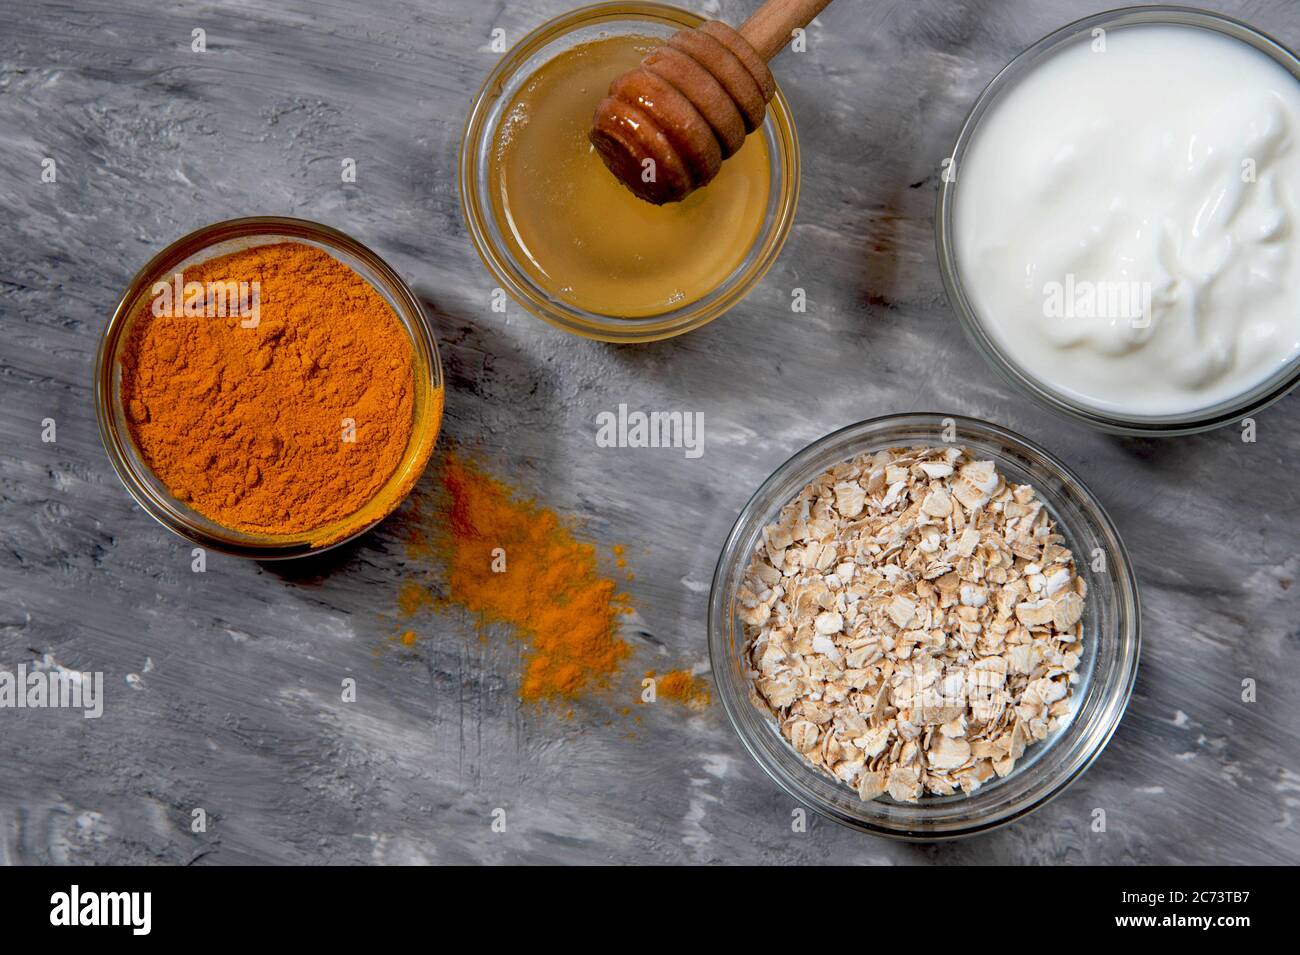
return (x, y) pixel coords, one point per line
(1119, 221)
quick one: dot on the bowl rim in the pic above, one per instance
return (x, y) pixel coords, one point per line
(779, 126)
(1256, 399)
(409, 312)
(761, 503)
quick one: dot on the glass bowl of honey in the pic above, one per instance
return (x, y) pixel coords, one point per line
(565, 238)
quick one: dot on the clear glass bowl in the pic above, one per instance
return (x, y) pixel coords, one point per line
(223, 238)
(514, 69)
(1078, 32)
(1107, 670)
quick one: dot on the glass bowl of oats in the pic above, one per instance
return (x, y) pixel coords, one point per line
(924, 626)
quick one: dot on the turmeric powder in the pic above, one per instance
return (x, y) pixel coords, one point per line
(514, 562)
(681, 686)
(280, 425)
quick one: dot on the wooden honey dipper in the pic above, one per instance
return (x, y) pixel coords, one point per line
(691, 103)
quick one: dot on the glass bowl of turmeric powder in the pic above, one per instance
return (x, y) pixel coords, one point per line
(565, 238)
(268, 387)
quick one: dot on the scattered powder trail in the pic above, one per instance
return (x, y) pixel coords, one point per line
(512, 561)
(681, 686)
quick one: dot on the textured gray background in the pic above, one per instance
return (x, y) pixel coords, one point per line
(239, 712)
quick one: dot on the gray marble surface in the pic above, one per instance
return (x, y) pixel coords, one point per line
(223, 688)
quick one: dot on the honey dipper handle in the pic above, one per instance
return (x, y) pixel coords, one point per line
(769, 29)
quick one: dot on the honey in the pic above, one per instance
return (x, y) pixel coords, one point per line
(578, 232)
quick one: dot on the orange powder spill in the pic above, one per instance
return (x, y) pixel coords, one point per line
(681, 687)
(512, 561)
(411, 597)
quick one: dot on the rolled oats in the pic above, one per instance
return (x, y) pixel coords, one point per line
(912, 622)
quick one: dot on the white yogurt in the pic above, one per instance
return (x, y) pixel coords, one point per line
(1125, 220)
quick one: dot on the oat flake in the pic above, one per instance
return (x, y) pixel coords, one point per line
(913, 623)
